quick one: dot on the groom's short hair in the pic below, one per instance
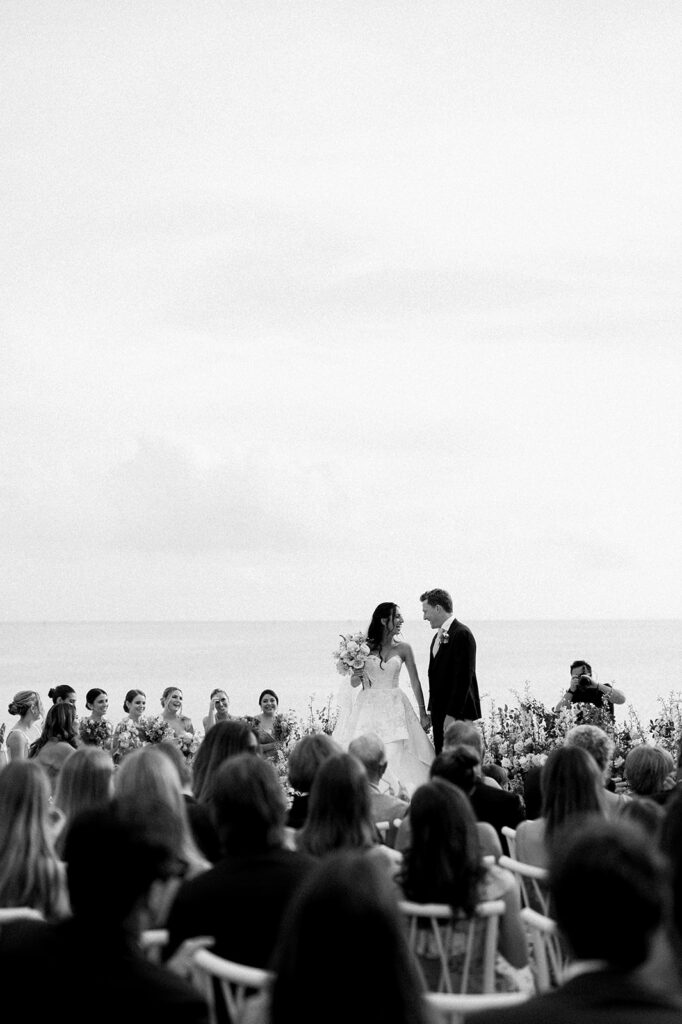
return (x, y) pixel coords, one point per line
(440, 597)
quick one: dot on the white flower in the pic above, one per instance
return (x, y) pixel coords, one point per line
(352, 646)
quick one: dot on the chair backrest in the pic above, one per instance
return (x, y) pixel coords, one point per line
(431, 930)
(532, 882)
(235, 981)
(152, 942)
(452, 1008)
(510, 835)
(548, 959)
(9, 914)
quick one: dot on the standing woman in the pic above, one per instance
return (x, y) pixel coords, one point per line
(129, 734)
(171, 702)
(218, 709)
(27, 705)
(62, 694)
(57, 741)
(269, 726)
(96, 730)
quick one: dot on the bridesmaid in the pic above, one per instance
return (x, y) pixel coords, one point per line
(171, 702)
(96, 730)
(129, 734)
(218, 709)
(27, 705)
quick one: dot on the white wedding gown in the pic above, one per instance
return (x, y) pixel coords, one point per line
(383, 708)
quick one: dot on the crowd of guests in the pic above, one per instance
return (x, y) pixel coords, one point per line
(106, 842)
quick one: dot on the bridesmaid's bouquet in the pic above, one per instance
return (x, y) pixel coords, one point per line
(96, 733)
(157, 730)
(351, 654)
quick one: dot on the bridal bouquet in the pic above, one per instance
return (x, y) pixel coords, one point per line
(351, 654)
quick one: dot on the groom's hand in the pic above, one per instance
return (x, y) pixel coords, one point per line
(425, 720)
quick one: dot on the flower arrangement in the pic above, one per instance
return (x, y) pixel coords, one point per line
(351, 653)
(188, 747)
(127, 737)
(157, 730)
(96, 732)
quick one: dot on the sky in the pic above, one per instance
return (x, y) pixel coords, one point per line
(306, 306)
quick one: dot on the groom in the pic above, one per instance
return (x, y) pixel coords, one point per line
(453, 689)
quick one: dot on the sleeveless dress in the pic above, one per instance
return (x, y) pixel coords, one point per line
(383, 708)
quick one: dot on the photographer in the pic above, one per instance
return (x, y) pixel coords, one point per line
(583, 689)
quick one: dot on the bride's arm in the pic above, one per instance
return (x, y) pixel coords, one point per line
(411, 664)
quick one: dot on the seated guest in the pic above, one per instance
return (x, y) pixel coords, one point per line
(31, 875)
(497, 773)
(609, 893)
(339, 815)
(344, 929)
(460, 766)
(490, 804)
(371, 753)
(571, 786)
(444, 865)
(116, 873)
(304, 760)
(242, 900)
(646, 770)
(599, 744)
(199, 817)
(646, 813)
(85, 782)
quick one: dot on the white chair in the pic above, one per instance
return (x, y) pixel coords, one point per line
(152, 942)
(438, 930)
(236, 982)
(532, 882)
(548, 959)
(452, 1008)
(510, 835)
(9, 914)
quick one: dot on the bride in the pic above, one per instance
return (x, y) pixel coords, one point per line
(383, 708)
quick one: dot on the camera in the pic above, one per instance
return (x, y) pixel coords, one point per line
(585, 683)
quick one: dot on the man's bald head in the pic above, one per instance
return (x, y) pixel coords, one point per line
(370, 751)
(463, 734)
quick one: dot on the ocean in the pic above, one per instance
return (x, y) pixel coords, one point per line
(642, 658)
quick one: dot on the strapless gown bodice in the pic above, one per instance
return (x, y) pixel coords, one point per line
(383, 675)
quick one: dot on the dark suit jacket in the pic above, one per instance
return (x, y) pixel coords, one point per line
(497, 807)
(453, 687)
(241, 902)
(602, 997)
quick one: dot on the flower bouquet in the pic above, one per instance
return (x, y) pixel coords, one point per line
(157, 730)
(126, 738)
(189, 747)
(96, 732)
(351, 654)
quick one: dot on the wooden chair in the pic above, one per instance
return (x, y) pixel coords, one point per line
(510, 835)
(236, 982)
(532, 882)
(152, 942)
(452, 1008)
(9, 914)
(438, 927)
(548, 959)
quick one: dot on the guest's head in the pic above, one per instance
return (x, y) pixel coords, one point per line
(571, 786)
(646, 769)
(62, 694)
(85, 781)
(119, 859)
(645, 813)
(609, 890)
(27, 705)
(29, 870)
(307, 756)
(135, 703)
(339, 810)
(370, 751)
(459, 733)
(497, 773)
(173, 754)
(595, 741)
(249, 807)
(268, 702)
(443, 864)
(458, 765)
(222, 741)
(97, 701)
(59, 727)
(345, 917)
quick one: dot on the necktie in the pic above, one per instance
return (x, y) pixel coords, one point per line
(439, 637)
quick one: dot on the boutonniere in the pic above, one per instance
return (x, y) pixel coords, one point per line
(445, 637)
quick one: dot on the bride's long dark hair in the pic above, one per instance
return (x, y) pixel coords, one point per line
(375, 630)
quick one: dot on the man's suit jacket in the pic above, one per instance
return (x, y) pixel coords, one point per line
(599, 997)
(453, 687)
(497, 807)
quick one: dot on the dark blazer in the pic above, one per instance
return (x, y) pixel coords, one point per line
(497, 807)
(241, 902)
(601, 997)
(453, 687)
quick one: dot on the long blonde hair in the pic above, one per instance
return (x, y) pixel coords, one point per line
(30, 873)
(84, 782)
(146, 778)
